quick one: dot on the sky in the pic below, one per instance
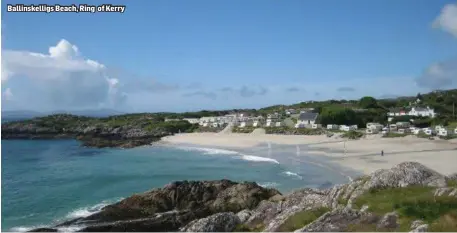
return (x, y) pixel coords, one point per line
(169, 55)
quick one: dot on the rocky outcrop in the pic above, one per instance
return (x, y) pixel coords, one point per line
(221, 222)
(125, 131)
(340, 219)
(175, 205)
(226, 206)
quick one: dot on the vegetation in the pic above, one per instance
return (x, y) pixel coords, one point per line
(394, 135)
(413, 203)
(245, 228)
(294, 131)
(248, 129)
(302, 219)
(352, 135)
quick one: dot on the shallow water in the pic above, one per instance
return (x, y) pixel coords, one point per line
(46, 182)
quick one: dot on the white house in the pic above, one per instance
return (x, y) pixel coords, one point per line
(257, 123)
(246, 123)
(393, 127)
(306, 119)
(333, 127)
(374, 126)
(445, 132)
(207, 120)
(192, 120)
(428, 131)
(372, 130)
(424, 112)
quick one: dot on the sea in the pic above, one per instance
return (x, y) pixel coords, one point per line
(45, 182)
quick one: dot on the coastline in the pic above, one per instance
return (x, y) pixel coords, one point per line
(361, 155)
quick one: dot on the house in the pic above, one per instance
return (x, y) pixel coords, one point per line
(372, 130)
(393, 127)
(347, 128)
(257, 123)
(397, 112)
(403, 124)
(403, 131)
(333, 127)
(192, 120)
(216, 124)
(169, 119)
(375, 126)
(306, 119)
(279, 124)
(445, 132)
(428, 131)
(207, 120)
(424, 112)
(291, 111)
(246, 123)
(316, 126)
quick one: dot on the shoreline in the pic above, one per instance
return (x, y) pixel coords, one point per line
(362, 155)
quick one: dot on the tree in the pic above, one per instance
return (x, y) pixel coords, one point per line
(368, 102)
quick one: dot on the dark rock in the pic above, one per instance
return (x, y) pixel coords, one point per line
(43, 230)
(175, 205)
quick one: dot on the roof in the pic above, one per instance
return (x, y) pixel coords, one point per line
(308, 116)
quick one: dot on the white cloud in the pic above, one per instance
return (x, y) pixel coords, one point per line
(62, 78)
(439, 75)
(447, 20)
(8, 94)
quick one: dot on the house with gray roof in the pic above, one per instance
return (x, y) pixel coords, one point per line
(306, 119)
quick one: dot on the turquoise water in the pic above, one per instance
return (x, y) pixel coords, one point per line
(45, 182)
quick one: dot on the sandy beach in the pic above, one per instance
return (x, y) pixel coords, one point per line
(363, 155)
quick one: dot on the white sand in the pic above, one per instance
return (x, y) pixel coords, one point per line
(362, 155)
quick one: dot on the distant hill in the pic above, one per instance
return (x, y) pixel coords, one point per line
(25, 114)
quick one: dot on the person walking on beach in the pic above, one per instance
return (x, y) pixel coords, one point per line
(382, 153)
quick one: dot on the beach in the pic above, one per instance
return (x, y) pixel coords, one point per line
(362, 155)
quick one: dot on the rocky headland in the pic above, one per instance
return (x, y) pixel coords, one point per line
(407, 197)
(125, 131)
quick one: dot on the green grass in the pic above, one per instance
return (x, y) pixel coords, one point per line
(451, 183)
(412, 203)
(342, 201)
(352, 135)
(302, 219)
(245, 228)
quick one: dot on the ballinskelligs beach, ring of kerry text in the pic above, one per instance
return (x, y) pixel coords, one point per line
(81, 8)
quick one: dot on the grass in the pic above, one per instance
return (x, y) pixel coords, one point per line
(245, 228)
(342, 201)
(451, 183)
(352, 135)
(413, 203)
(302, 219)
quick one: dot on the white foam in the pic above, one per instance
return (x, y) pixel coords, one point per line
(258, 159)
(214, 151)
(209, 151)
(293, 174)
(269, 184)
(86, 211)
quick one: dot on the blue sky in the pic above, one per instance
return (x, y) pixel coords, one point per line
(167, 55)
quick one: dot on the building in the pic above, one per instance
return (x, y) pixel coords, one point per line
(306, 119)
(374, 126)
(192, 120)
(316, 126)
(445, 132)
(423, 112)
(246, 123)
(403, 124)
(333, 127)
(372, 130)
